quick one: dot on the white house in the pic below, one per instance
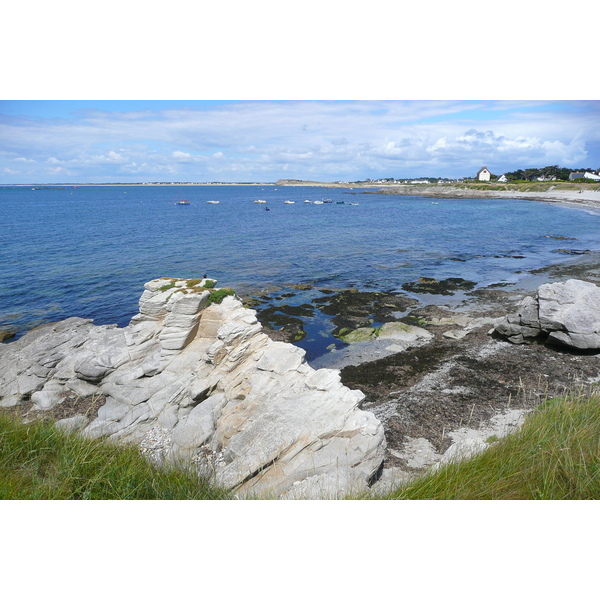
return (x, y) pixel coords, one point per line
(592, 176)
(483, 174)
(502, 179)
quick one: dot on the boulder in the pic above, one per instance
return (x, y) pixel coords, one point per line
(566, 313)
(244, 409)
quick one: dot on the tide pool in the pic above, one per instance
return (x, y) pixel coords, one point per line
(88, 251)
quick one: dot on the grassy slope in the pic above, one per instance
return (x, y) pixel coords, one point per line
(38, 462)
(556, 455)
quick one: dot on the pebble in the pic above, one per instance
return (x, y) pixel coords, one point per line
(155, 443)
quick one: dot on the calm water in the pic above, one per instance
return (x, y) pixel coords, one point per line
(87, 252)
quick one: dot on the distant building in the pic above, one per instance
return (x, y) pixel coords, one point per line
(573, 176)
(592, 176)
(483, 174)
(502, 179)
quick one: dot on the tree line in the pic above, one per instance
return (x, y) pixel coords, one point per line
(560, 173)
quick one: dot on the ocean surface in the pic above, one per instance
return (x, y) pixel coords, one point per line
(88, 251)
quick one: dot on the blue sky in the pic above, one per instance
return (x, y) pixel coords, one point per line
(129, 141)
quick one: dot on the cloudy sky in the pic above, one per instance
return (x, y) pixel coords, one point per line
(262, 141)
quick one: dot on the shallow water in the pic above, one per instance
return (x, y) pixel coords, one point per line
(87, 252)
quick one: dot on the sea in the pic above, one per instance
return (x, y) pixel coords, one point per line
(87, 251)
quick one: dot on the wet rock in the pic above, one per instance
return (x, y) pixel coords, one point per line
(445, 287)
(301, 286)
(572, 251)
(362, 334)
(282, 323)
(352, 309)
(7, 334)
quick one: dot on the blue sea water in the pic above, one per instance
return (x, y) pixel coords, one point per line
(88, 251)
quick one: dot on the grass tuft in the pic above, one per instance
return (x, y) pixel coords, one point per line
(217, 296)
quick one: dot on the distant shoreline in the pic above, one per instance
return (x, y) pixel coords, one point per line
(580, 196)
(572, 194)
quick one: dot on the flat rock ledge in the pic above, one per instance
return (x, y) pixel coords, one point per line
(191, 380)
(565, 314)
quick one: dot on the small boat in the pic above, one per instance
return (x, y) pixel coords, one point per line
(267, 208)
(182, 202)
(327, 201)
(289, 202)
(260, 202)
(308, 202)
(319, 202)
(340, 202)
(213, 201)
(353, 203)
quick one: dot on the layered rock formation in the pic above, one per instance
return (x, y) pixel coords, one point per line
(560, 313)
(246, 410)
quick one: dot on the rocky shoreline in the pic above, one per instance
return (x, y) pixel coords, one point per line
(434, 378)
(459, 389)
(193, 380)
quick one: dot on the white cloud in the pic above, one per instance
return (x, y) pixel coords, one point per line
(345, 139)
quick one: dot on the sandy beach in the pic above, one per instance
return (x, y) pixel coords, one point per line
(582, 196)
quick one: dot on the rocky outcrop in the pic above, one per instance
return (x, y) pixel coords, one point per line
(560, 313)
(203, 377)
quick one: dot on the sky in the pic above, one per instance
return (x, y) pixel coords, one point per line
(103, 141)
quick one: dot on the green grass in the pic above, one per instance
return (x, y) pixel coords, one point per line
(554, 456)
(217, 296)
(38, 462)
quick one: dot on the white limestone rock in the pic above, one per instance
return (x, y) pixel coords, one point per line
(229, 397)
(565, 313)
(72, 424)
(51, 395)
